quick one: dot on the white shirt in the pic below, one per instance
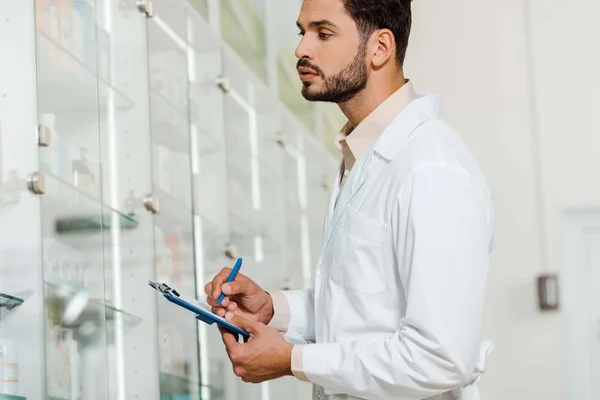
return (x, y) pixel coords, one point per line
(397, 307)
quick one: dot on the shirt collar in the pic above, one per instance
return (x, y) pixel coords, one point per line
(363, 136)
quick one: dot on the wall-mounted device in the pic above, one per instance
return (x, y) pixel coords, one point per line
(548, 292)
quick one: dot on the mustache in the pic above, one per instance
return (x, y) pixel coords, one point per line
(303, 62)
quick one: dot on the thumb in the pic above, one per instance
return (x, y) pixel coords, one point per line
(245, 324)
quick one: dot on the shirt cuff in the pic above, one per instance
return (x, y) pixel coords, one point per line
(281, 312)
(297, 368)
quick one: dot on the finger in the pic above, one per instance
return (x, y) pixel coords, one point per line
(230, 341)
(225, 302)
(232, 306)
(212, 302)
(208, 289)
(247, 325)
(218, 281)
(219, 311)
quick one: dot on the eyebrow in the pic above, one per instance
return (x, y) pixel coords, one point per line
(318, 24)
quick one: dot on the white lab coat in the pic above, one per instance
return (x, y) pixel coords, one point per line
(396, 311)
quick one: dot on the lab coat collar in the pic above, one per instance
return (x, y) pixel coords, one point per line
(425, 108)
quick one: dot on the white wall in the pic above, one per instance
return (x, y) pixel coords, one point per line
(476, 54)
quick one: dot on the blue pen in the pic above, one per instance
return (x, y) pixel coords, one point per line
(232, 275)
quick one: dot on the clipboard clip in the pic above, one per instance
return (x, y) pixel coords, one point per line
(163, 288)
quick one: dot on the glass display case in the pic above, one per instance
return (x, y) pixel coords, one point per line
(97, 239)
(211, 216)
(22, 344)
(135, 145)
(254, 177)
(168, 52)
(242, 27)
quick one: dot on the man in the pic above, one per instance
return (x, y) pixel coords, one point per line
(396, 310)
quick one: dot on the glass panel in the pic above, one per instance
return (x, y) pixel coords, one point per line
(174, 239)
(333, 121)
(320, 173)
(255, 180)
(271, 213)
(242, 26)
(209, 168)
(21, 297)
(69, 97)
(201, 6)
(125, 149)
(290, 88)
(295, 203)
(72, 226)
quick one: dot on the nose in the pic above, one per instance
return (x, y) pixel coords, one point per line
(304, 49)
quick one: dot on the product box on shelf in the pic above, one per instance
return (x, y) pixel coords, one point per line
(85, 25)
(163, 256)
(65, 12)
(9, 356)
(173, 243)
(47, 17)
(64, 364)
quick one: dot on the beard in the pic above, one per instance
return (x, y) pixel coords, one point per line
(341, 87)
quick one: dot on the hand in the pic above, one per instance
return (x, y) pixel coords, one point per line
(243, 297)
(266, 356)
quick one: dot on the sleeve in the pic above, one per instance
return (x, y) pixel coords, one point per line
(294, 314)
(441, 234)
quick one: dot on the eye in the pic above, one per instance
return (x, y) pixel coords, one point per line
(324, 36)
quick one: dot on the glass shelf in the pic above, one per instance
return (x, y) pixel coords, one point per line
(175, 387)
(201, 6)
(170, 126)
(8, 304)
(181, 113)
(13, 397)
(95, 216)
(64, 81)
(69, 308)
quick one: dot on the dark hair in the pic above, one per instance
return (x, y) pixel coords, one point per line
(394, 15)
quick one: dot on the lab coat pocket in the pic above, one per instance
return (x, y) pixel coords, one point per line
(359, 254)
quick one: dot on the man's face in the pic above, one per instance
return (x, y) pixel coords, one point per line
(332, 64)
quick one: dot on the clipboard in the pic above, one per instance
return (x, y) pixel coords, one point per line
(202, 311)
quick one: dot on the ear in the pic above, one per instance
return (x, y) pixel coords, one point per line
(383, 47)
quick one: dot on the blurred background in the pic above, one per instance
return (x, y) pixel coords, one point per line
(163, 139)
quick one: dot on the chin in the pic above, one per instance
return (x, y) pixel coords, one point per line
(310, 93)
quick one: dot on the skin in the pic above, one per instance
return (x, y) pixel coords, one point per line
(334, 65)
(326, 48)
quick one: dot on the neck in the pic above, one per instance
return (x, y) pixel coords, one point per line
(376, 92)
